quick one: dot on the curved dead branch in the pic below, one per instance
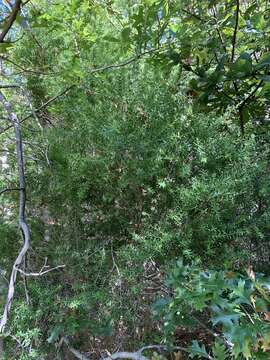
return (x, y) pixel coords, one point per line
(136, 355)
(22, 221)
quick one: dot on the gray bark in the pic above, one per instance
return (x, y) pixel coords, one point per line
(22, 221)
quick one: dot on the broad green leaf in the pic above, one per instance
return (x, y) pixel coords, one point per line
(240, 68)
(126, 34)
(198, 350)
(227, 319)
(110, 38)
(264, 62)
(219, 351)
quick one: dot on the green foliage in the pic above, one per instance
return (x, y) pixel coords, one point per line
(136, 166)
(237, 307)
(189, 191)
(221, 44)
(140, 180)
(141, 177)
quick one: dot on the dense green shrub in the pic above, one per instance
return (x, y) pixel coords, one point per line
(139, 161)
(142, 177)
(136, 175)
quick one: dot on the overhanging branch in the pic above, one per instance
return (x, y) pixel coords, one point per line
(9, 189)
(11, 18)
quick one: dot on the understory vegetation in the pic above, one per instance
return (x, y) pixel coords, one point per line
(139, 167)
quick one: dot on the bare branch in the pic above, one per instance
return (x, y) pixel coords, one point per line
(235, 28)
(9, 189)
(75, 352)
(241, 106)
(126, 355)
(250, 95)
(124, 63)
(22, 221)
(193, 15)
(11, 18)
(5, 58)
(40, 273)
(8, 86)
(136, 355)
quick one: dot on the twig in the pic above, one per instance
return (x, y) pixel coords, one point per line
(9, 86)
(235, 29)
(9, 189)
(114, 262)
(5, 58)
(193, 15)
(47, 103)
(204, 21)
(241, 105)
(40, 273)
(218, 31)
(34, 114)
(26, 25)
(11, 18)
(15, 339)
(124, 63)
